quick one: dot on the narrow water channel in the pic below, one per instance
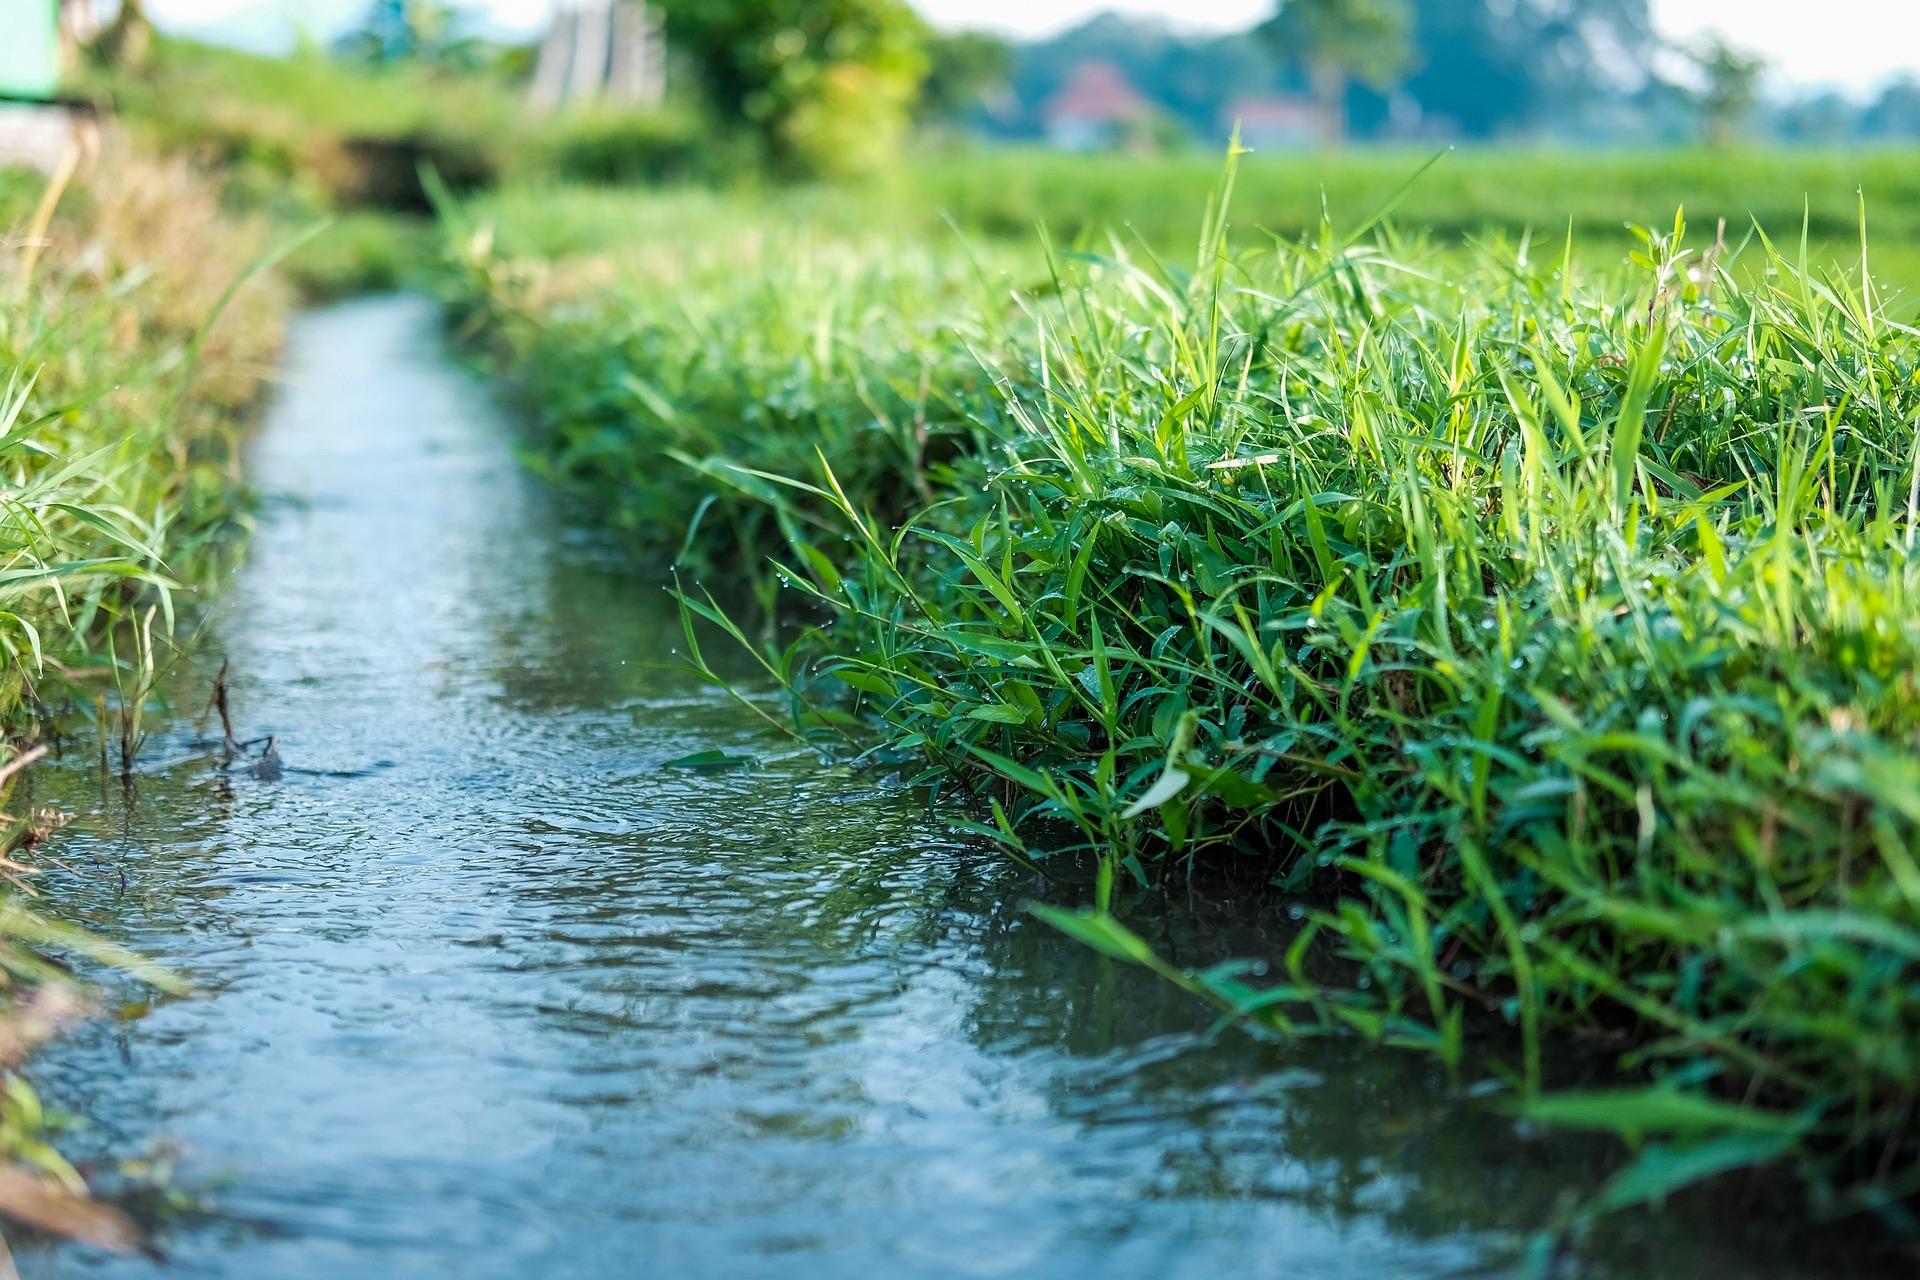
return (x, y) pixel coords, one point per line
(488, 989)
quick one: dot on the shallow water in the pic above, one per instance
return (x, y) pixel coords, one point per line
(489, 990)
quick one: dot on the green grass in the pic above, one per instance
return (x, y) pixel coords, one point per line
(308, 136)
(1545, 631)
(128, 371)
(364, 252)
(124, 378)
(270, 122)
(309, 132)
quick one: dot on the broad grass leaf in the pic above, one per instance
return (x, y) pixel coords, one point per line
(1101, 932)
(1168, 785)
(1661, 1169)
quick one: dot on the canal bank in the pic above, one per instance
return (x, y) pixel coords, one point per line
(492, 988)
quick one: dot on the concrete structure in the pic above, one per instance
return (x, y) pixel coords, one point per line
(602, 50)
(35, 129)
(30, 50)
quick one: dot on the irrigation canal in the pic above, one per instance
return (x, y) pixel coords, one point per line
(488, 989)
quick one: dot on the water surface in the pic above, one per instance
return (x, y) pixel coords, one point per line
(488, 989)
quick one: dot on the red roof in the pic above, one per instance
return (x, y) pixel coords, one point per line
(1096, 93)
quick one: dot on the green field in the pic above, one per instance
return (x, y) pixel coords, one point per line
(1441, 212)
(1466, 191)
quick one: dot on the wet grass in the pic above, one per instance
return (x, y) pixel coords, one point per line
(1546, 634)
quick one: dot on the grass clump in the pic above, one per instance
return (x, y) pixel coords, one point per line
(1547, 635)
(128, 375)
(708, 339)
(124, 376)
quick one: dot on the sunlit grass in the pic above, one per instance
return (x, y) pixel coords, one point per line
(1547, 634)
(122, 382)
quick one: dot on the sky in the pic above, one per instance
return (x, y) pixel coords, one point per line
(1851, 44)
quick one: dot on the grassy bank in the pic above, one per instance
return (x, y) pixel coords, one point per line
(297, 138)
(120, 407)
(1544, 630)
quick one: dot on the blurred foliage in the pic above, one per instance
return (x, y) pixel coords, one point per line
(965, 69)
(1334, 42)
(313, 131)
(1730, 87)
(1537, 192)
(827, 86)
(1470, 69)
(426, 31)
(297, 137)
(614, 146)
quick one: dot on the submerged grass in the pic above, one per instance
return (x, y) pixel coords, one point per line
(1549, 636)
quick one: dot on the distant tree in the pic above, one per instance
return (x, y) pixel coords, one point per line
(1488, 70)
(1816, 117)
(1340, 41)
(828, 86)
(1896, 112)
(1730, 87)
(963, 68)
(410, 30)
(1478, 69)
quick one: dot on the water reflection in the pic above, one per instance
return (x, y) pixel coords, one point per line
(491, 991)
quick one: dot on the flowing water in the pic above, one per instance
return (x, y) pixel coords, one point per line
(488, 988)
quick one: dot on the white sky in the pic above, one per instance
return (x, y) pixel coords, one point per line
(1848, 43)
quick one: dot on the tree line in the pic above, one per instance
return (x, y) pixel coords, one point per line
(835, 86)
